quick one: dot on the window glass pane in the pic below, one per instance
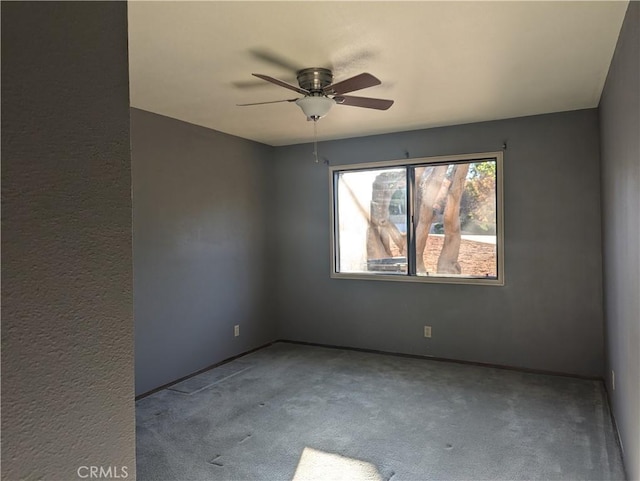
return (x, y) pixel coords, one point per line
(372, 221)
(456, 221)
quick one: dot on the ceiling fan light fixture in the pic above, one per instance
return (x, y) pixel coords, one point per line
(315, 107)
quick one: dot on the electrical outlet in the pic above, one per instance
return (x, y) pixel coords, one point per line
(427, 331)
(236, 330)
(613, 379)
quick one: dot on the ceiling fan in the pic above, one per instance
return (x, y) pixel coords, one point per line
(320, 93)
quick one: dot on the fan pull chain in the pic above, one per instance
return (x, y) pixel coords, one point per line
(315, 139)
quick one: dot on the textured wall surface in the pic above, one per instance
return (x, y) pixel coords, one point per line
(201, 262)
(547, 316)
(67, 309)
(620, 125)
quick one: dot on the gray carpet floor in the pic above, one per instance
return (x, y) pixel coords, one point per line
(298, 412)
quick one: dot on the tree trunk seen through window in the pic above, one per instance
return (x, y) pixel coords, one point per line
(448, 260)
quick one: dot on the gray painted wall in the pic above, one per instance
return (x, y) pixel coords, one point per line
(620, 127)
(201, 216)
(549, 313)
(67, 307)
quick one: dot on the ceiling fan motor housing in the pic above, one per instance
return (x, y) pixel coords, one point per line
(315, 79)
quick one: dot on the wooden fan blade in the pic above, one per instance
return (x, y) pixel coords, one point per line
(366, 102)
(270, 102)
(281, 83)
(358, 82)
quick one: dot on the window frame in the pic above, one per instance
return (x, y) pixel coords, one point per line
(410, 164)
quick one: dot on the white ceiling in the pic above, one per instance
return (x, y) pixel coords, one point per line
(443, 63)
